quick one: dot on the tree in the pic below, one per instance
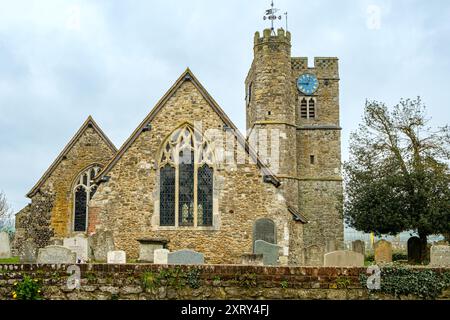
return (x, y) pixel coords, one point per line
(397, 178)
(6, 214)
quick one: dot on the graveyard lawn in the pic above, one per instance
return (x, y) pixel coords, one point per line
(12, 260)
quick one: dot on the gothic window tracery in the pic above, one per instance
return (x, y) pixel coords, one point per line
(186, 180)
(84, 190)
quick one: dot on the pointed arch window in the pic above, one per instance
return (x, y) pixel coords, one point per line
(186, 180)
(83, 191)
(308, 108)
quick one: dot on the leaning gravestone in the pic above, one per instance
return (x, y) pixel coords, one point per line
(56, 255)
(414, 250)
(79, 245)
(264, 229)
(343, 259)
(185, 257)
(117, 257)
(270, 252)
(100, 244)
(440, 256)
(383, 251)
(160, 256)
(5, 248)
(359, 246)
(28, 251)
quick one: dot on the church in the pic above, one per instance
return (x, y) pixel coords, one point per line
(188, 177)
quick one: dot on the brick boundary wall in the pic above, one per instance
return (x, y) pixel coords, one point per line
(234, 282)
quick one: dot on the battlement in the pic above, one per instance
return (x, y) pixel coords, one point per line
(327, 67)
(282, 36)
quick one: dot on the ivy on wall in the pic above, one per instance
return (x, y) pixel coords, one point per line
(402, 281)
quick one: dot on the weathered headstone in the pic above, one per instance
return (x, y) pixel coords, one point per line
(264, 229)
(100, 244)
(161, 256)
(270, 252)
(343, 259)
(359, 246)
(252, 259)
(79, 245)
(147, 248)
(440, 256)
(5, 248)
(414, 250)
(383, 251)
(117, 257)
(28, 252)
(313, 256)
(185, 257)
(56, 255)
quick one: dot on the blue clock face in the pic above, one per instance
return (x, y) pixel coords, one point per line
(307, 83)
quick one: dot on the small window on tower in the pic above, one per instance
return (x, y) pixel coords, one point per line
(304, 108)
(312, 108)
(308, 108)
(269, 113)
(312, 159)
(249, 93)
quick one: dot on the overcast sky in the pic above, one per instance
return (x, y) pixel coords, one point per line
(61, 61)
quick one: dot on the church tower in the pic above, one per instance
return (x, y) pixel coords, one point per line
(293, 109)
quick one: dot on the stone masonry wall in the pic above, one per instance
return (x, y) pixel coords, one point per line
(90, 149)
(128, 205)
(156, 282)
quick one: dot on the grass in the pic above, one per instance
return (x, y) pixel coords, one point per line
(10, 260)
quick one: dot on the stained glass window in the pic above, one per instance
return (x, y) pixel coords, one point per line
(83, 192)
(167, 196)
(80, 209)
(186, 188)
(205, 196)
(185, 157)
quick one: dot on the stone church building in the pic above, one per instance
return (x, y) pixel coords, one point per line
(186, 175)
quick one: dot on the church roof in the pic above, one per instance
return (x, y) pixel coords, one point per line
(188, 76)
(88, 123)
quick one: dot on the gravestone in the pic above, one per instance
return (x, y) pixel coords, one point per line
(185, 257)
(252, 259)
(100, 244)
(28, 251)
(359, 246)
(313, 256)
(270, 252)
(383, 251)
(117, 257)
(264, 229)
(414, 250)
(79, 245)
(56, 255)
(440, 256)
(161, 256)
(343, 259)
(5, 248)
(147, 248)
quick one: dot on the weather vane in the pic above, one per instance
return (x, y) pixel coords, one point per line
(271, 15)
